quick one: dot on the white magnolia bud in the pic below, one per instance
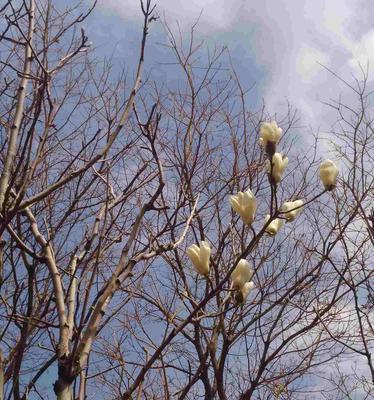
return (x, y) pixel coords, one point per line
(291, 209)
(241, 274)
(246, 289)
(269, 132)
(328, 172)
(279, 165)
(199, 257)
(274, 226)
(244, 203)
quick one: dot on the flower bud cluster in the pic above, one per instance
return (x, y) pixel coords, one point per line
(245, 205)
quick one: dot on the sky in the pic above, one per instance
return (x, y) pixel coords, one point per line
(283, 46)
(277, 44)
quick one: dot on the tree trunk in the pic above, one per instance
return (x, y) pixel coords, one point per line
(63, 390)
(63, 385)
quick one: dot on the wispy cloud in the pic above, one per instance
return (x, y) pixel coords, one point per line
(214, 15)
(288, 42)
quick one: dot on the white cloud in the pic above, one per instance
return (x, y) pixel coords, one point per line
(213, 14)
(362, 51)
(290, 40)
(307, 60)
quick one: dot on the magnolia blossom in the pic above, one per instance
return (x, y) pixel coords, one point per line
(199, 257)
(274, 226)
(328, 172)
(270, 134)
(279, 165)
(241, 274)
(242, 294)
(291, 209)
(246, 289)
(244, 203)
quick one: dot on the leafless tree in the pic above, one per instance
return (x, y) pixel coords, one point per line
(105, 182)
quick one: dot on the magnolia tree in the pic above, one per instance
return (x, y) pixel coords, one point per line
(157, 242)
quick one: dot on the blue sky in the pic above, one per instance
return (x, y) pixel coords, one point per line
(277, 44)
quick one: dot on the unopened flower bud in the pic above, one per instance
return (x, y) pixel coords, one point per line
(244, 203)
(270, 134)
(199, 257)
(246, 289)
(291, 209)
(277, 167)
(241, 274)
(274, 226)
(328, 172)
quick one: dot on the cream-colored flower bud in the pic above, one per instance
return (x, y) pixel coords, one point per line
(199, 257)
(277, 169)
(244, 203)
(274, 226)
(270, 133)
(291, 209)
(328, 172)
(241, 274)
(246, 289)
